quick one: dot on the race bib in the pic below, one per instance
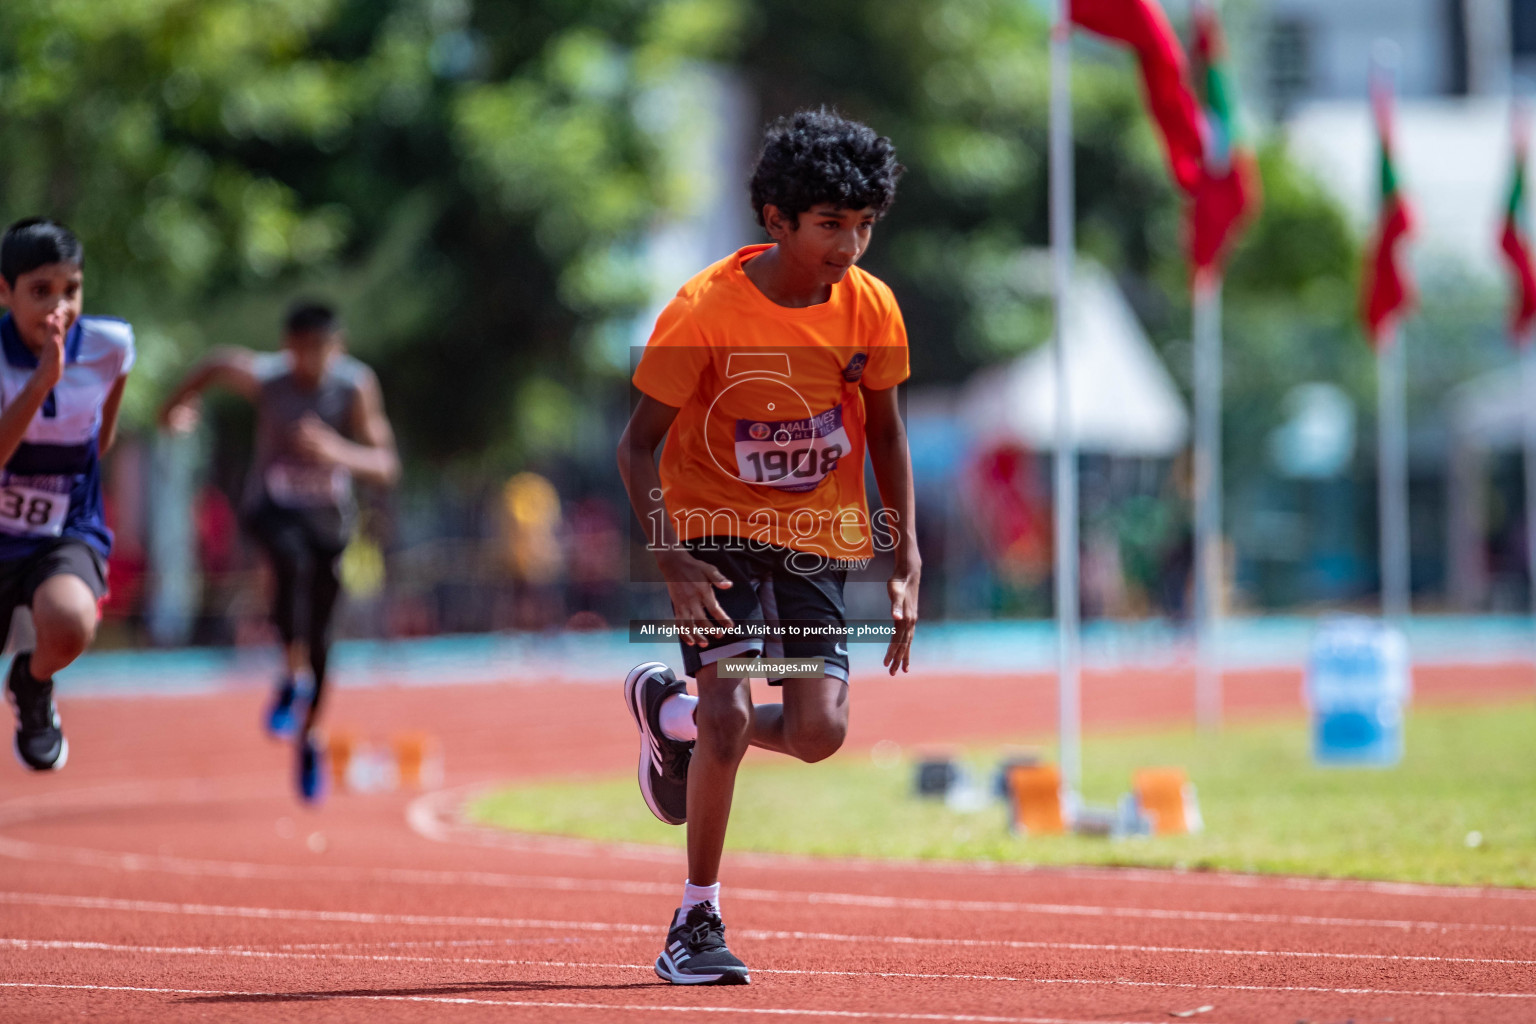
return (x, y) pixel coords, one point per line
(294, 486)
(790, 455)
(29, 512)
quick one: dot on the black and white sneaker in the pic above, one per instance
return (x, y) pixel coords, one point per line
(696, 952)
(40, 742)
(663, 762)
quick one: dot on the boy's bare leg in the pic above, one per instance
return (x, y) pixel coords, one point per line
(724, 719)
(296, 657)
(809, 725)
(64, 616)
(811, 722)
(64, 612)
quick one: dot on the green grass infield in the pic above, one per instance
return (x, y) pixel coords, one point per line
(1458, 810)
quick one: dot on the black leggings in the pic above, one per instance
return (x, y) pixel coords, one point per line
(306, 557)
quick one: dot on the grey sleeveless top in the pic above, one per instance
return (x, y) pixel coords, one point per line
(279, 474)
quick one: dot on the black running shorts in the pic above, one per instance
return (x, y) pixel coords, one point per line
(20, 577)
(773, 585)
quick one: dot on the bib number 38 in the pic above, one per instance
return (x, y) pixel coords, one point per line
(32, 513)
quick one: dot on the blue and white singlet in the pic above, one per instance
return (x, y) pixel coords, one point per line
(51, 487)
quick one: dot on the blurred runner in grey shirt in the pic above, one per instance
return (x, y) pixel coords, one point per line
(320, 423)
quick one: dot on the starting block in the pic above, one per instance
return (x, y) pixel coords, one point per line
(1034, 792)
(410, 760)
(1167, 797)
(937, 774)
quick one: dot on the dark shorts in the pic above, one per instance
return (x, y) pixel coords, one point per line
(20, 577)
(325, 532)
(773, 586)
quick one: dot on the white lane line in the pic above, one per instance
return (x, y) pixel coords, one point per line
(959, 1018)
(913, 940)
(840, 899)
(21, 849)
(420, 944)
(362, 917)
(288, 914)
(1290, 988)
(253, 953)
(1085, 910)
(189, 867)
(1111, 982)
(1117, 947)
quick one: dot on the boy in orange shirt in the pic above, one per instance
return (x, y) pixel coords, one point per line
(768, 375)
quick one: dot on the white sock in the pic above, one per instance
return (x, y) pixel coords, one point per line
(676, 716)
(693, 895)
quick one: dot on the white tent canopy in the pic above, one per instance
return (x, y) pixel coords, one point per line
(1454, 157)
(1123, 401)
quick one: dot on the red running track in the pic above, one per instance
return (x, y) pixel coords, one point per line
(167, 874)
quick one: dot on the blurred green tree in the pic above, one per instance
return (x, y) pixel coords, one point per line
(962, 87)
(469, 180)
(460, 177)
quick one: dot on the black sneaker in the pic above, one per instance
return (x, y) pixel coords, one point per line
(40, 742)
(663, 762)
(696, 953)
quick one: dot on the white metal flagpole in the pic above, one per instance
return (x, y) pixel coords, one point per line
(1069, 655)
(1391, 402)
(1208, 560)
(1392, 475)
(1526, 346)
(1528, 412)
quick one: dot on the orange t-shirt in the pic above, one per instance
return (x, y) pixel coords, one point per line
(768, 444)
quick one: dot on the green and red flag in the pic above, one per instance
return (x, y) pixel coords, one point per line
(1141, 25)
(1228, 194)
(1387, 290)
(1515, 243)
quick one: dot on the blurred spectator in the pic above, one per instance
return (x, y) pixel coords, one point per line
(596, 562)
(1013, 513)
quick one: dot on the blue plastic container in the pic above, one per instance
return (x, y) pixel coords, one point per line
(1357, 687)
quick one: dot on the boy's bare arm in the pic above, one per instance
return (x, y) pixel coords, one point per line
(229, 367)
(19, 413)
(886, 436)
(109, 410)
(375, 433)
(372, 456)
(691, 583)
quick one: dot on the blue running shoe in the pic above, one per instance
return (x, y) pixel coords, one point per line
(311, 768)
(289, 704)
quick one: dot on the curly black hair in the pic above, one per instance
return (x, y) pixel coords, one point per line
(818, 156)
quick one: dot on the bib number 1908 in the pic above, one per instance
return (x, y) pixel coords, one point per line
(771, 466)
